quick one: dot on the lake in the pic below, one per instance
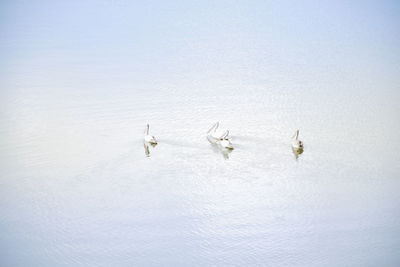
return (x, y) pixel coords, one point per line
(79, 83)
(78, 189)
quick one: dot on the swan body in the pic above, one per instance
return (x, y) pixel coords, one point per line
(149, 138)
(218, 137)
(296, 143)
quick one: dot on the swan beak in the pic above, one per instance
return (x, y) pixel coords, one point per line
(229, 146)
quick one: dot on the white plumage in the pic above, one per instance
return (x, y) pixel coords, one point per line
(219, 137)
(149, 138)
(296, 143)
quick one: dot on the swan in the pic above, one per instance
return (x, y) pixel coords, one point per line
(149, 138)
(219, 138)
(296, 143)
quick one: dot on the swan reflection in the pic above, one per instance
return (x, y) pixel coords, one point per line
(147, 149)
(297, 152)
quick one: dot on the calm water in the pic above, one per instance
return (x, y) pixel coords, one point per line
(79, 80)
(77, 188)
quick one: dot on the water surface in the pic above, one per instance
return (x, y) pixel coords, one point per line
(76, 185)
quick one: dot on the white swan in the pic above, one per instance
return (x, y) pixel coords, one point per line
(218, 137)
(296, 143)
(149, 138)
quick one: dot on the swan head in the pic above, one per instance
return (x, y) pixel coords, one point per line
(225, 143)
(297, 144)
(150, 139)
